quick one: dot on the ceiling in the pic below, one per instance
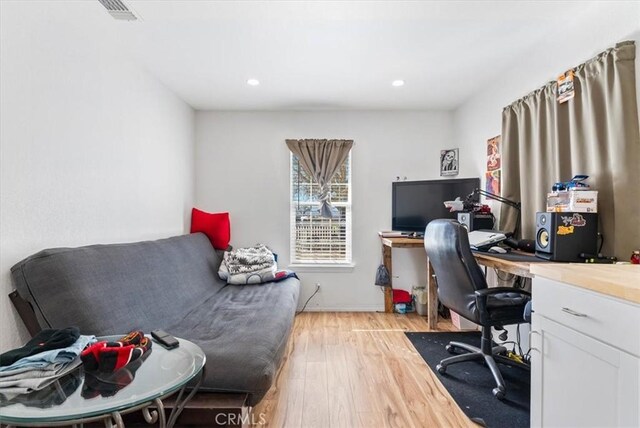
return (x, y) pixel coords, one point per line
(335, 55)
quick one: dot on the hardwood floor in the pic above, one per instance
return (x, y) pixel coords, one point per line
(357, 369)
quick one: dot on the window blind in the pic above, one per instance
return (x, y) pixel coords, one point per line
(315, 239)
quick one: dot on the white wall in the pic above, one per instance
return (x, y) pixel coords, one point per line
(586, 35)
(242, 166)
(93, 149)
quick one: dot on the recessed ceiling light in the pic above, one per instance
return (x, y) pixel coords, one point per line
(397, 83)
(253, 82)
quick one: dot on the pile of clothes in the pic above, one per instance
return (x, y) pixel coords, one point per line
(48, 356)
(50, 396)
(252, 265)
(43, 372)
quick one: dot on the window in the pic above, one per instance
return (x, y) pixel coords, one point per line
(316, 239)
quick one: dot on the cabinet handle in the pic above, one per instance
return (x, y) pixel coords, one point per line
(530, 333)
(574, 313)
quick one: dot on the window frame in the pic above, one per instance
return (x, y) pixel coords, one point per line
(348, 205)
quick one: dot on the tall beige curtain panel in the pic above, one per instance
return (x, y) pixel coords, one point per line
(321, 159)
(595, 133)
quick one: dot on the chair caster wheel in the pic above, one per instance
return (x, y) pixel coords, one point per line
(441, 369)
(499, 393)
(450, 349)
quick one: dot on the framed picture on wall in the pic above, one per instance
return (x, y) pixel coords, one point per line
(449, 162)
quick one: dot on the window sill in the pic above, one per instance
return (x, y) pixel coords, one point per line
(322, 267)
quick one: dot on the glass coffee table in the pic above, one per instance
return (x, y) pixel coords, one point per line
(83, 397)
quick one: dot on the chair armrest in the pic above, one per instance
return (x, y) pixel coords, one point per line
(496, 290)
(482, 295)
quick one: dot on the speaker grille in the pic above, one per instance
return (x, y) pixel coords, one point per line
(543, 238)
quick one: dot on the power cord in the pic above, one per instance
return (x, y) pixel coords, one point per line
(310, 297)
(509, 276)
(601, 236)
(518, 340)
(518, 281)
(516, 344)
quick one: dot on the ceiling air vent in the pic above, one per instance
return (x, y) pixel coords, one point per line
(118, 10)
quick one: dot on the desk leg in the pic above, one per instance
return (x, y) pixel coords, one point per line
(388, 291)
(432, 298)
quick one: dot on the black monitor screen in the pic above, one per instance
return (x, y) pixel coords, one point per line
(416, 203)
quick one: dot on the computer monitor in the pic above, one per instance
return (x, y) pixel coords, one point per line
(416, 203)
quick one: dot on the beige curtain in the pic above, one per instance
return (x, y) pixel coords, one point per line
(321, 159)
(595, 133)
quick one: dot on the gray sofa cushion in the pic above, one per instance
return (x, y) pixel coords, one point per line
(170, 284)
(110, 289)
(243, 330)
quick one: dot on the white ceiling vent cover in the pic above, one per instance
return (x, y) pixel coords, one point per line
(118, 10)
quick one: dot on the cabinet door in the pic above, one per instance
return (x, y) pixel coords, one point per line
(578, 381)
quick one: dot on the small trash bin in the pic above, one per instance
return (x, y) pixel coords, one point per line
(420, 299)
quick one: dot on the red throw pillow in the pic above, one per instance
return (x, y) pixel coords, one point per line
(215, 225)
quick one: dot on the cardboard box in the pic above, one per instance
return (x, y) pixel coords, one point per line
(462, 323)
(579, 201)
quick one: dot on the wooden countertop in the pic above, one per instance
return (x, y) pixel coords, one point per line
(621, 281)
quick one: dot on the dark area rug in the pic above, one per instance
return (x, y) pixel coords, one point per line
(470, 383)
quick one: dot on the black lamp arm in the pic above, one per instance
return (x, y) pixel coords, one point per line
(509, 202)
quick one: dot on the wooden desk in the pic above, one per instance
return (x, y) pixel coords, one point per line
(520, 268)
(388, 244)
(516, 267)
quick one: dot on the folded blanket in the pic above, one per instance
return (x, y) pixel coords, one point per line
(256, 277)
(251, 278)
(44, 359)
(253, 265)
(247, 260)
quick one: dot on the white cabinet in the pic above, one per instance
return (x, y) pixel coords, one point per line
(585, 362)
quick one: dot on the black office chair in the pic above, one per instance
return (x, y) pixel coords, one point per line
(462, 288)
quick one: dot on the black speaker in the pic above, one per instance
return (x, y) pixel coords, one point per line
(473, 221)
(563, 236)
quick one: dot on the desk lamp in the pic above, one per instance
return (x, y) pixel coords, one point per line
(523, 244)
(508, 202)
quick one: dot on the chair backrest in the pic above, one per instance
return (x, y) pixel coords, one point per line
(458, 275)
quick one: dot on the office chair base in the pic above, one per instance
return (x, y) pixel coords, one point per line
(499, 393)
(474, 353)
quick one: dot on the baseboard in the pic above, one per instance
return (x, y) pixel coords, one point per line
(372, 308)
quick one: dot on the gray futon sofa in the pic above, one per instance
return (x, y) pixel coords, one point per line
(170, 284)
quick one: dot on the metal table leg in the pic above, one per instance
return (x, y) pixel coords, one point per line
(180, 405)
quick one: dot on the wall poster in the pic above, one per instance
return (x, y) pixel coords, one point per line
(449, 162)
(494, 166)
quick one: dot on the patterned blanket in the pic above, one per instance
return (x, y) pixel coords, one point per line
(254, 265)
(248, 260)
